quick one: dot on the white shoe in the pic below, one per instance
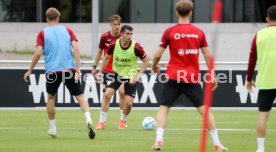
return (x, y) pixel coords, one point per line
(52, 132)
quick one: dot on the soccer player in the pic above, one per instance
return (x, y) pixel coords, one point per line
(263, 50)
(55, 42)
(106, 39)
(185, 41)
(125, 56)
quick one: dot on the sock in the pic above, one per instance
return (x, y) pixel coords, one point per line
(87, 117)
(122, 113)
(214, 136)
(260, 142)
(123, 117)
(102, 116)
(52, 124)
(159, 134)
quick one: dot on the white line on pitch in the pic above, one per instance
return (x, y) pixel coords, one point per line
(168, 129)
(224, 129)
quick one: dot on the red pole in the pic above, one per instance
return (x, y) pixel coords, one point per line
(217, 11)
(208, 93)
(208, 98)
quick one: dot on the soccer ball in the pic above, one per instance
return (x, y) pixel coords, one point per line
(149, 123)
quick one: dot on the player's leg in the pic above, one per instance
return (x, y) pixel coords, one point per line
(128, 100)
(51, 115)
(212, 130)
(161, 121)
(195, 93)
(75, 89)
(109, 92)
(84, 107)
(53, 81)
(111, 85)
(169, 94)
(86, 110)
(51, 107)
(265, 101)
(121, 95)
(130, 92)
(104, 105)
(261, 130)
(211, 119)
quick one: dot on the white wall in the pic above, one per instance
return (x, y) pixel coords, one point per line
(233, 42)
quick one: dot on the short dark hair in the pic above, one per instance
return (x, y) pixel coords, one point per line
(126, 27)
(271, 13)
(52, 14)
(184, 7)
(115, 17)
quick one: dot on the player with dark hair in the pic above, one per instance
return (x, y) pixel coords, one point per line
(125, 54)
(263, 51)
(105, 41)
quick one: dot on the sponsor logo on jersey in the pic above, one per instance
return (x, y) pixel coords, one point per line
(178, 36)
(182, 52)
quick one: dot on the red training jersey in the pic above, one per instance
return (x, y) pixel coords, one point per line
(105, 42)
(185, 42)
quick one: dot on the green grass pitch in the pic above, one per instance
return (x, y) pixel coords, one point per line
(26, 131)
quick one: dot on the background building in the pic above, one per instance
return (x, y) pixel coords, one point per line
(132, 11)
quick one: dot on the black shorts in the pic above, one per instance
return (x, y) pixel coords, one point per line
(53, 81)
(266, 99)
(172, 90)
(115, 83)
(107, 79)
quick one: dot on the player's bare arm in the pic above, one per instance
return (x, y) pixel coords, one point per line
(77, 59)
(250, 85)
(141, 72)
(157, 56)
(96, 61)
(206, 53)
(207, 56)
(144, 65)
(104, 63)
(35, 59)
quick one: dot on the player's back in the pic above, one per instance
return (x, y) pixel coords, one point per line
(57, 49)
(185, 41)
(266, 54)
